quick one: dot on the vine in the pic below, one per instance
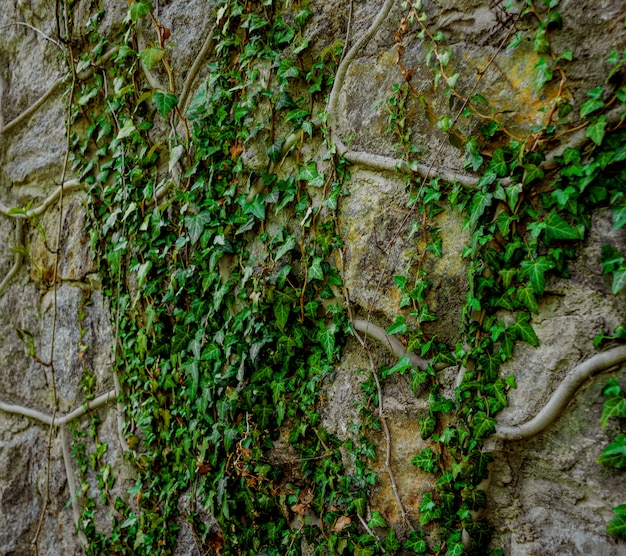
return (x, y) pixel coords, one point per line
(216, 232)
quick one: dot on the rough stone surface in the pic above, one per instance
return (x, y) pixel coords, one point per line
(546, 496)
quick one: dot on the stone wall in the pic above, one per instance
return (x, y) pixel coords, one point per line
(547, 495)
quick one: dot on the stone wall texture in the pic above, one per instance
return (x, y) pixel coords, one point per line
(546, 496)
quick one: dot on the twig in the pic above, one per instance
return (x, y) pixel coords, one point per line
(383, 420)
(562, 395)
(369, 531)
(39, 31)
(71, 485)
(18, 257)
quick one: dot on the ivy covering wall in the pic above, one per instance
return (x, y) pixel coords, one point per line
(233, 236)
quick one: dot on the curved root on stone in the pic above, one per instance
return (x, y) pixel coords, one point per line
(562, 395)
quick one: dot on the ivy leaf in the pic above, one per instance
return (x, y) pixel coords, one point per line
(392, 544)
(617, 526)
(255, 208)
(429, 510)
(536, 270)
(523, 330)
(507, 276)
(126, 130)
(455, 549)
(526, 296)
(512, 193)
(532, 172)
(558, 228)
(289, 244)
(195, 224)
(595, 131)
(614, 455)
(427, 428)
(310, 174)
(275, 150)
(416, 543)
(400, 367)
(483, 425)
(543, 72)
(296, 114)
(281, 312)
(150, 57)
(377, 520)
(619, 216)
(398, 327)
(613, 407)
(590, 106)
(326, 337)
(164, 102)
(426, 460)
(264, 415)
(480, 201)
(139, 9)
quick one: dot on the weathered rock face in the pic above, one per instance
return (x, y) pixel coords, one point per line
(546, 495)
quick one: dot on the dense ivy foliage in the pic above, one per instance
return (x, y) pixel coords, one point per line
(228, 306)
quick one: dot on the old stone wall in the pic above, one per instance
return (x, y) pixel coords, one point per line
(546, 495)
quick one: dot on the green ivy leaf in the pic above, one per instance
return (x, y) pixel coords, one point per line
(613, 407)
(416, 543)
(391, 541)
(275, 150)
(315, 270)
(543, 72)
(532, 172)
(150, 57)
(195, 224)
(590, 106)
(480, 201)
(281, 312)
(557, 228)
(398, 327)
(619, 216)
(310, 174)
(139, 9)
(429, 510)
(164, 102)
(296, 114)
(290, 243)
(617, 526)
(455, 549)
(595, 131)
(426, 460)
(619, 279)
(523, 330)
(326, 337)
(427, 427)
(507, 276)
(264, 415)
(535, 270)
(526, 296)
(256, 208)
(540, 41)
(483, 425)
(403, 364)
(614, 455)
(376, 520)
